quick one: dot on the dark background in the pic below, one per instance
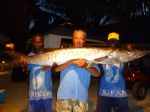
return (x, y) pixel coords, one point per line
(20, 19)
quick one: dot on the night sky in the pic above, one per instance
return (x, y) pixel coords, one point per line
(20, 19)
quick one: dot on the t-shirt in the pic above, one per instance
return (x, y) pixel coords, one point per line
(40, 85)
(112, 83)
(74, 83)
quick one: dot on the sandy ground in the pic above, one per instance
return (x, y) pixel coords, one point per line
(17, 94)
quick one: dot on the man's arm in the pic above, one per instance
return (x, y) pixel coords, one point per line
(78, 62)
(63, 66)
(82, 63)
(46, 68)
(93, 71)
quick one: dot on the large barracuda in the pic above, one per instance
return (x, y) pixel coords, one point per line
(92, 55)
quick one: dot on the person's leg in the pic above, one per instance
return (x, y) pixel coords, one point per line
(121, 104)
(64, 106)
(79, 106)
(47, 105)
(104, 104)
(34, 106)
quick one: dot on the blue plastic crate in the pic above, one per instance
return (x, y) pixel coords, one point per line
(2, 95)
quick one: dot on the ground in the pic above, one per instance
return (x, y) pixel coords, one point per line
(17, 94)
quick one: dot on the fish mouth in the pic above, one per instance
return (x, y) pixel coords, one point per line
(140, 54)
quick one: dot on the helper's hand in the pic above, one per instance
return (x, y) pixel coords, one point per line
(46, 68)
(23, 62)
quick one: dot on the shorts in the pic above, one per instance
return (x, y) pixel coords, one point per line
(106, 104)
(71, 106)
(42, 105)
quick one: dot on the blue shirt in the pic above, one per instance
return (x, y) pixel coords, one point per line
(40, 85)
(112, 83)
(74, 83)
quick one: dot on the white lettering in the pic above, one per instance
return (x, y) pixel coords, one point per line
(40, 94)
(124, 93)
(113, 93)
(118, 93)
(47, 93)
(104, 92)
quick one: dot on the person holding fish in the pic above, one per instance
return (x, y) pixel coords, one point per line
(72, 94)
(40, 81)
(112, 89)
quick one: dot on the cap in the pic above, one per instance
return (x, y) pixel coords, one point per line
(113, 35)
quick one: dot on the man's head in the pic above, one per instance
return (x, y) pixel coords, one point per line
(79, 37)
(113, 39)
(38, 43)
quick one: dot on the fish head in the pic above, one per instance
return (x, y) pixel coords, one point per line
(130, 55)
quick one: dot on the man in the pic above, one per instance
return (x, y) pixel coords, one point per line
(72, 93)
(112, 89)
(40, 82)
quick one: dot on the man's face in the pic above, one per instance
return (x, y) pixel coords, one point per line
(78, 39)
(38, 43)
(113, 43)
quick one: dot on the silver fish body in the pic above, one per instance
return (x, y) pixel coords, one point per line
(92, 55)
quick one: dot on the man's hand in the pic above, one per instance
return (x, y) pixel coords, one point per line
(80, 62)
(23, 62)
(46, 68)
